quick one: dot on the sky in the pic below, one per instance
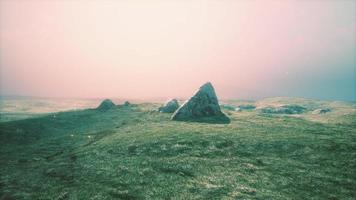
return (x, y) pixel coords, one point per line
(248, 49)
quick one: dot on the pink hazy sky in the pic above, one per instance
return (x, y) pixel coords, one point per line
(160, 49)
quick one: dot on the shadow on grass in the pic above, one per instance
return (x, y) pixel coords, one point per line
(220, 119)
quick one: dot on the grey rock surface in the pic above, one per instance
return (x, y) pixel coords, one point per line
(322, 111)
(203, 106)
(169, 107)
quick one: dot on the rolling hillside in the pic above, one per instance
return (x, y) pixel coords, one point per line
(135, 152)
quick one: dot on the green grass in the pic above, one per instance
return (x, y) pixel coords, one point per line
(136, 153)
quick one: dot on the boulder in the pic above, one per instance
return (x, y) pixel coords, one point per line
(169, 107)
(202, 107)
(127, 103)
(105, 105)
(322, 111)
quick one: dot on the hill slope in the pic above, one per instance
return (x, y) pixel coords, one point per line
(136, 153)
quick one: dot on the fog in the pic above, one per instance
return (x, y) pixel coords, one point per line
(162, 49)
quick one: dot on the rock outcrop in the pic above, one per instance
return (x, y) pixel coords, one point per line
(202, 107)
(169, 107)
(105, 105)
(285, 109)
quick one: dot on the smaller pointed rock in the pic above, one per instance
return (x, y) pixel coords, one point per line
(105, 105)
(169, 107)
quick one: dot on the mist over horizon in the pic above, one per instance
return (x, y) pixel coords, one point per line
(168, 49)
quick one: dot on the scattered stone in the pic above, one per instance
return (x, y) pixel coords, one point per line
(105, 105)
(202, 107)
(169, 107)
(322, 111)
(228, 107)
(247, 107)
(286, 109)
(325, 110)
(63, 196)
(238, 108)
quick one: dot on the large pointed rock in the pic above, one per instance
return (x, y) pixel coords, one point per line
(127, 103)
(106, 105)
(202, 107)
(169, 107)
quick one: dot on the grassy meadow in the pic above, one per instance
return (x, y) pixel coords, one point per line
(135, 152)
